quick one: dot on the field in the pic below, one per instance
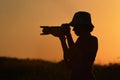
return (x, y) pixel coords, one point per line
(27, 69)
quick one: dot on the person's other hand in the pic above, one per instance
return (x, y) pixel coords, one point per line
(66, 29)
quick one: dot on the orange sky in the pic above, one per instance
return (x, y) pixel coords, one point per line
(20, 21)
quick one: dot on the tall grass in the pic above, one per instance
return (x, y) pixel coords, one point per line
(26, 69)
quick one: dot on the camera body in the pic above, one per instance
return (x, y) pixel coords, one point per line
(55, 30)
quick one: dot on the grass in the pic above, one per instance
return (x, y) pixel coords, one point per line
(26, 69)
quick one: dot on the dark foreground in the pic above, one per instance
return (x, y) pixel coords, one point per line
(26, 69)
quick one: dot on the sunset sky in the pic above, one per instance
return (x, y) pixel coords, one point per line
(20, 22)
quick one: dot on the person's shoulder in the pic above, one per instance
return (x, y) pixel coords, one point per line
(94, 38)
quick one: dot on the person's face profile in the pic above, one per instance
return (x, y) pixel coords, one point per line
(76, 30)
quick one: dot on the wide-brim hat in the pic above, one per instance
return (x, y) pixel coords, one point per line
(81, 18)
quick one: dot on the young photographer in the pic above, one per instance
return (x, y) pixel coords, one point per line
(80, 55)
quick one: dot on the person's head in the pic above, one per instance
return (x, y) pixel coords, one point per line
(81, 23)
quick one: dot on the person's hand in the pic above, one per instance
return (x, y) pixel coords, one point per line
(66, 29)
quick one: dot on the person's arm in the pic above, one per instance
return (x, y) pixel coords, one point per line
(67, 33)
(65, 48)
(70, 40)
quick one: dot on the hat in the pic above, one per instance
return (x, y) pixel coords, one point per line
(81, 18)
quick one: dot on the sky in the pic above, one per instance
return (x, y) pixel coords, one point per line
(20, 22)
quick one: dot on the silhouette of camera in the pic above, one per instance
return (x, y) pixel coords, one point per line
(55, 30)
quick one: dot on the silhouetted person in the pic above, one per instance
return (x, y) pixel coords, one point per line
(80, 55)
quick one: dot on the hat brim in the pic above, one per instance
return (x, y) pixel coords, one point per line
(76, 24)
